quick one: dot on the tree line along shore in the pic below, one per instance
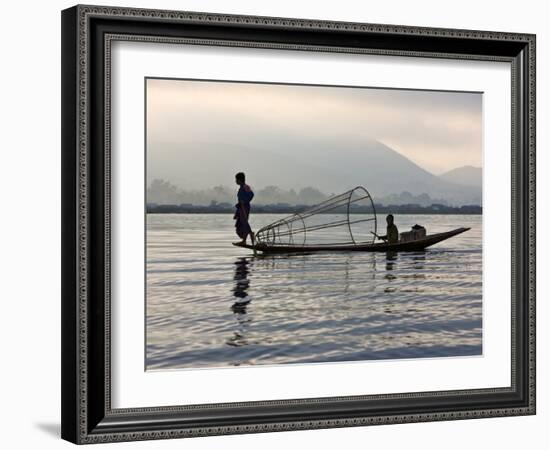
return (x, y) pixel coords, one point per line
(227, 208)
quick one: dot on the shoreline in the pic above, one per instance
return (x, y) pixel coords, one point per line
(393, 209)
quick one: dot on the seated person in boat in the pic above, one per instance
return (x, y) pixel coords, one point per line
(392, 233)
(244, 197)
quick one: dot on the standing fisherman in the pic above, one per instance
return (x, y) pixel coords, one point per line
(244, 196)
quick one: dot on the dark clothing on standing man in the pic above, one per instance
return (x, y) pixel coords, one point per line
(244, 197)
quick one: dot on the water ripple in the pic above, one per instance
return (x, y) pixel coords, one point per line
(210, 304)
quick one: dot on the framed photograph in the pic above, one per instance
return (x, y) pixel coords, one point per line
(277, 224)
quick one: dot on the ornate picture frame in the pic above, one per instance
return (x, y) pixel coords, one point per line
(87, 36)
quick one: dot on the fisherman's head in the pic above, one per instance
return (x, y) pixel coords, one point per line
(389, 219)
(239, 178)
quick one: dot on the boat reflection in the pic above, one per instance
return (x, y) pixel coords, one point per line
(416, 262)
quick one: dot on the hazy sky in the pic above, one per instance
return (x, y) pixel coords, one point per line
(439, 131)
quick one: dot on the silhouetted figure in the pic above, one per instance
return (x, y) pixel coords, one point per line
(392, 233)
(244, 197)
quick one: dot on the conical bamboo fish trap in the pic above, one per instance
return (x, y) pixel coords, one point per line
(345, 219)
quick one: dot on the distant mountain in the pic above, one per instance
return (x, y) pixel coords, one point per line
(283, 161)
(465, 176)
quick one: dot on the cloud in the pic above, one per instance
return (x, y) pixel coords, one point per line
(437, 130)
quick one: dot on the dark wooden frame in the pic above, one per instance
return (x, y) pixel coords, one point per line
(87, 416)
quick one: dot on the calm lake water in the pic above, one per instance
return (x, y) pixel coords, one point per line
(210, 304)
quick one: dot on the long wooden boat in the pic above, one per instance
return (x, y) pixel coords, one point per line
(409, 246)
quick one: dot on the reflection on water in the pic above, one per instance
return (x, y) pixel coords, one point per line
(239, 307)
(241, 285)
(390, 262)
(210, 304)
